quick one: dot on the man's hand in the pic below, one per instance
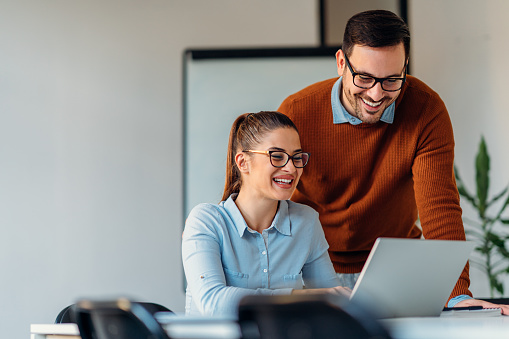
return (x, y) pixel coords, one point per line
(484, 304)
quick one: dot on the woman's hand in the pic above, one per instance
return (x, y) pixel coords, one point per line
(338, 290)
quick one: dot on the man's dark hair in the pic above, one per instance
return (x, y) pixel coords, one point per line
(376, 28)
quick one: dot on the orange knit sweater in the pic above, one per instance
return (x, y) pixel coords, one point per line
(373, 180)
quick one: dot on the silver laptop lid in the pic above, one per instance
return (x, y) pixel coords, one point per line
(410, 277)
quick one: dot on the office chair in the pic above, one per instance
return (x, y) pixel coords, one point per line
(118, 319)
(306, 317)
(66, 315)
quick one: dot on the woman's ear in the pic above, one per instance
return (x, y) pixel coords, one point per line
(242, 163)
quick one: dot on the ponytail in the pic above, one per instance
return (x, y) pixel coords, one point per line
(232, 179)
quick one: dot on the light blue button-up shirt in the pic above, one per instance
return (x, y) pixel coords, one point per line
(341, 116)
(224, 260)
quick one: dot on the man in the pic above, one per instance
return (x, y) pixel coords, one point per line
(383, 150)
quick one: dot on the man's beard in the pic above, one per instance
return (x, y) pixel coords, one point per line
(355, 103)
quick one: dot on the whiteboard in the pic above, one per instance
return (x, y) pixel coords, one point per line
(221, 85)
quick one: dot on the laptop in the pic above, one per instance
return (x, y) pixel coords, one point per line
(410, 277)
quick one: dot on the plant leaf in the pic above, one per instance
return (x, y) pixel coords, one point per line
(495, 239)
(474, 235)
(496, 284)
(500, 195)
(462, 190)
(503, 251)
(504, 221)
(506, 203)
(481, 250)
(456, 173)
(499, 243)
(464, 193)
(482, 165)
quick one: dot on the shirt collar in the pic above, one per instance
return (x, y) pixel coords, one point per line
(281, 221)
(340, 115)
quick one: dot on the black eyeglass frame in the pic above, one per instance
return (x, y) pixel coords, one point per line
(269, 153)
(377, 80)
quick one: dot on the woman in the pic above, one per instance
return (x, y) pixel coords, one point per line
(256, 241)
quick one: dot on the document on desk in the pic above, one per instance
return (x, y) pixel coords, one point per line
(471, 312)
(187, 327)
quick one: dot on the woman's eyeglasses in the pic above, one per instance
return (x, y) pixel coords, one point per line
(280, 159)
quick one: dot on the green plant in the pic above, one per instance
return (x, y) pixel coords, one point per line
(490, 240)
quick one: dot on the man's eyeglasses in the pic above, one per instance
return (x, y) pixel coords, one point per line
(280, 159)
(367, 81)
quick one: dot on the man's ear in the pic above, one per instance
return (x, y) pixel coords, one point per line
(340, 61)
(241, 161)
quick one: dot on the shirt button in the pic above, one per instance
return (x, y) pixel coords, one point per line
(264, 270)
(264, 252)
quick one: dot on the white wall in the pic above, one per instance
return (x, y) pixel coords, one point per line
(90, 142)
(459, 48)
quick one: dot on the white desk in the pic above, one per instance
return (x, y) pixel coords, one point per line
(448, 328)
(54, 331)
(183, 328)
(401, 328)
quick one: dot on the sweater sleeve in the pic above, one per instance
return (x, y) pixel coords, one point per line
(435, 188)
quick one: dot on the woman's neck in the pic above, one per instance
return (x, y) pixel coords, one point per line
(257, 212)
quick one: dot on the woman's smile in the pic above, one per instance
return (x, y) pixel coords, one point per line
(284, 181)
